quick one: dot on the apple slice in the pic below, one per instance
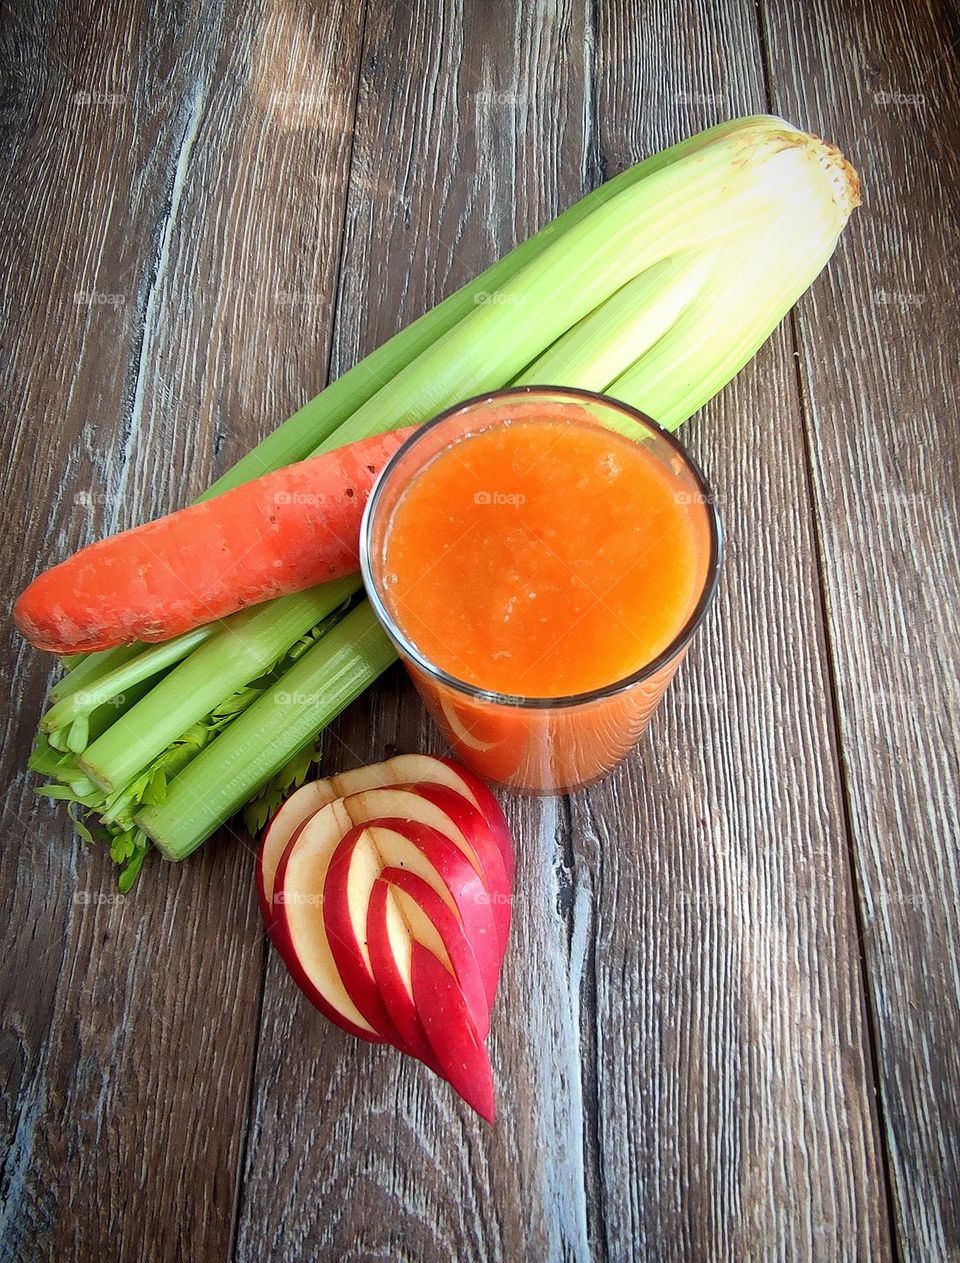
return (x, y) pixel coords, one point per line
(302, 928)
(403, 769)
(428, 908)
(301, 933)
(348, 885)
(390, 946)
(462, 1056)
(391, 909)
(438, 770)
(486, 856)
(422, 907)
(419, 849)
(298, 808)
(452, 815)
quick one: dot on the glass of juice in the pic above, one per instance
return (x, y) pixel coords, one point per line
(540, 558)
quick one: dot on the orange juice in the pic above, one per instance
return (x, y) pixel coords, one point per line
(544, 557)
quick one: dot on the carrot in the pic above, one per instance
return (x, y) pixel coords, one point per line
(287, 531)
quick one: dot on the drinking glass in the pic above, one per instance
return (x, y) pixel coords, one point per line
(536, 744)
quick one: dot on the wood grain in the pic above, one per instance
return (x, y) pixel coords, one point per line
(877, 345)
(150, 256)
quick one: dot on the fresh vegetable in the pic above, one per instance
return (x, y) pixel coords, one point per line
(391, 908)
(55, 752)
(316, 421)
(125, 675)
(718, 235)
(242, 649)
(280, 722)
(282, 533)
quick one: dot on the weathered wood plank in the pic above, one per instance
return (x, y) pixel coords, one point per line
(877, 347)
(166, 295)
(733, 1089)
(470, 135)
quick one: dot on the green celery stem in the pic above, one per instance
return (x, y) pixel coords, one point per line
(115, 683)
(257, 745)
(93, 667)
(245, 645)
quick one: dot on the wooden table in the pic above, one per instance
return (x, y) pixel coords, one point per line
(730, 1017)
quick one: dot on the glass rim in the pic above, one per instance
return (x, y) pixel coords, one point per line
(520, 701)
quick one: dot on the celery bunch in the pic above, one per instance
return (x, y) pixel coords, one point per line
(656, 289)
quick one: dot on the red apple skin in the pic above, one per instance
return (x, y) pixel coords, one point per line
(412, 769)
(342, 937)
(361, 982)
(457, 946)
(490, 809)
(285, 945)
(403, 769)
(396, 997)
(463, 1058)
(473, 826)
(482, 900)
(469, 893)
(407, 769)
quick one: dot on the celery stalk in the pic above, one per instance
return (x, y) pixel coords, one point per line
(752, 288)
(308, 697)
(244, 646)
(609, 340)
(93, 667)
(683, 206)
(143, 666)
(317, 420)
